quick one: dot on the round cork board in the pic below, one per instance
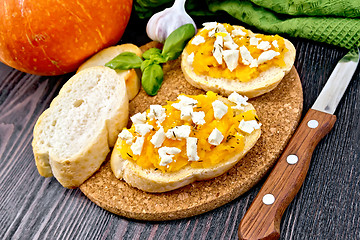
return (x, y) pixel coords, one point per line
(279, 112)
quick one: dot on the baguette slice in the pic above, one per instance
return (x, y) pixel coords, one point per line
(264, 83)
(132, 76)
(74, 135)
(150, 180)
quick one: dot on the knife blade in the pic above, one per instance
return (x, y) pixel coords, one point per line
(333, 91)
(262, 219)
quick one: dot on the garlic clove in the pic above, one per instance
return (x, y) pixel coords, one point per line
(163, 23)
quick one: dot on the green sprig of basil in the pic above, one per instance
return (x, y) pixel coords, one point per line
(152, 51)
(152, 73)
(124, 61)
(152, 78)
(154, 55)
(176, 41)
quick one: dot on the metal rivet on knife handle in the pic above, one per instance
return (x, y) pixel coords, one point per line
(313, 123)
(268, 199)
(292, 159)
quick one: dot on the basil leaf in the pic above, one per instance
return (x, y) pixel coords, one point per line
(152, 51)
(145, 64)
(152, 78)
(176, 41)
(124, 61)
(153, 60)
(158, 59)
(154, 54)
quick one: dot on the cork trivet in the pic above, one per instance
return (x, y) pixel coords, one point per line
(279, 112)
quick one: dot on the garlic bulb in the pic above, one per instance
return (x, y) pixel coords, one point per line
(165, 22)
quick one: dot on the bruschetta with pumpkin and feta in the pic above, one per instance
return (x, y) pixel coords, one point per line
(224, 58)
(196, 137)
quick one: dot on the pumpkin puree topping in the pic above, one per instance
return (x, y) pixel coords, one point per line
(222, 51)
(199, 131)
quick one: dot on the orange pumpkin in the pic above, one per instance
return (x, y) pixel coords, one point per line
(53, 37)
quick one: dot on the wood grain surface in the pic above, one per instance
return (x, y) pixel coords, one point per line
(31, 207)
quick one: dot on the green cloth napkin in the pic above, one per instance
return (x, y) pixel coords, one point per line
(333, 22)
(336, 22)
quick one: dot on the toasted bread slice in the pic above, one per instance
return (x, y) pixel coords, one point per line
(74, 135)
(132, 76)
(265, 82)
(153, 180)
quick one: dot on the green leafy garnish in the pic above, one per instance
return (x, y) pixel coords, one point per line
(124, 61)
(152, 73)
(152, 78)
(152, 51)
(177, 40)
(145, 64)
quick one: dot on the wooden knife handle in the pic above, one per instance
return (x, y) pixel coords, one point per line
(262, 219)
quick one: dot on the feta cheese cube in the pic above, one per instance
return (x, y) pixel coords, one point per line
(198, 117)
(249, 126)
(178, 132)
(218, 47)
(191, 149)
(158, 138)
(127, 136)
(187, 100)
(238, 32)
(186, 106)
(231, 45)
(215, 137)
(229, 42)
(266, 56)
(139, 118)
(247, 59)
(210, 25)
(167, 154)
(136, 148)
(190, 58)
(275, 44)
(157, 112)
(219, 28)
(264, 45)
(254, 63)
(254, 40)
(184, 102)
(143, 129)
(212, 32)
(231, 58)
(198, 40)
(220, 109)
(186, 113)
(245, 55)
(239, 100)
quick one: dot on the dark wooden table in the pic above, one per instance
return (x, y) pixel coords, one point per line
(33, 207)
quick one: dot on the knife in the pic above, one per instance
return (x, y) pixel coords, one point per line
(262, 219)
